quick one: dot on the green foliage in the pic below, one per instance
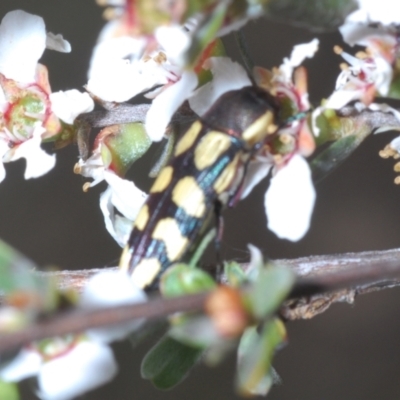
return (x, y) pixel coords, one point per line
(254, 373)
(329, 159)
(269, 290)
(126, 146)
(169, 362)
(234, 274)
(394, 91)
(182, 279)
(19, 281)
(207, 32)
(8, 391)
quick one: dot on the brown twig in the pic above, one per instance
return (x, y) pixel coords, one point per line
(322, 281)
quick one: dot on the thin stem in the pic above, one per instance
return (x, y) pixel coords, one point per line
(322, 281)
(244, 51)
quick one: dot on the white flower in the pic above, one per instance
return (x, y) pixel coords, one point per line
(227, 75)
(385, 12)
(289, 201)
(67, 105)
(121, 68)
(122, 200)
(120, 204)
(166, 103)
(84, 366)
(299, 53)
(111, 288)
(69, 366)
(38, 162)
(371, 72)
(26, 102)
(23, 40)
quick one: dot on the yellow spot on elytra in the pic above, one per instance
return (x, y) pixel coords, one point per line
(188, 195)
(210, 149)
(125, 259)
(227, 176)
(168, 231)
(397, 180)
(163, 180)
(142, 218)
(260, 128)
(145, 272)
(188, 138)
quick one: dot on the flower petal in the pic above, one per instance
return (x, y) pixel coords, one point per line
(85, 367)
(384, 11)
(38, 162)
(22, 43)
(174, 40)
(257, 170)
(57, 43)
(26, 364)
(116, 74)
(119, 232)
(127, 198)
(299, 53)
(3, 150)
(166, 103)
(289, 201)
(341, 97)
(227, 75)
(111, 288)
(69, 104)
(356, 33)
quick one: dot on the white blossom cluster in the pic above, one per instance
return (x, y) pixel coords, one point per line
(122, 67)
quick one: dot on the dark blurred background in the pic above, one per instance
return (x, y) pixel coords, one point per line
(349, 352)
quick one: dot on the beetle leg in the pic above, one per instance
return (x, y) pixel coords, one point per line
(219, 220)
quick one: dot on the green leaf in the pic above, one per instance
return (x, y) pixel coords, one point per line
(9, 391)
(207, 32)
(127, 145)
(18, 279)
(394, 91)
(269, 291)
(234, 273)
(196, 331)
(255, 374)
(181, 279)
(169, 362)
(316, 15)
(148, 330)
(329, 159)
